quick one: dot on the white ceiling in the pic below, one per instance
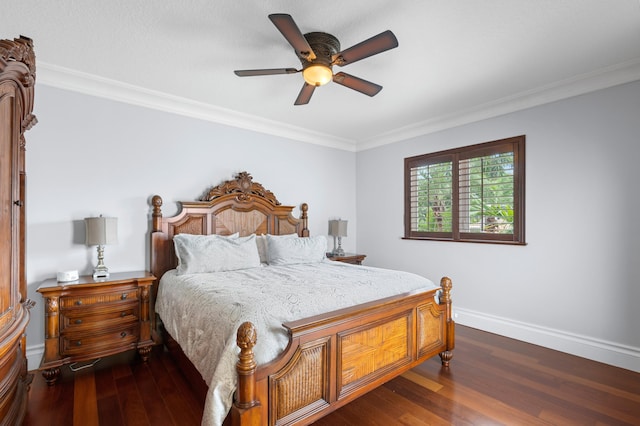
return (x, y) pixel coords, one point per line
(457, 60)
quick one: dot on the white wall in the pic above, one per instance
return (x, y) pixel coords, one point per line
(89, 156)
(576, 285)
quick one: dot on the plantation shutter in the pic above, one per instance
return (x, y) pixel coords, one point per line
(431, 192)
(486, 188)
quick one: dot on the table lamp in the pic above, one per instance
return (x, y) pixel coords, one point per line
(100, 232)
(338, 229)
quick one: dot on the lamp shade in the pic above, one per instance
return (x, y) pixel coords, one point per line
(338, 228)
(101, 230)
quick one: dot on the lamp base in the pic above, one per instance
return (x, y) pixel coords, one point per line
(337, 251)
(99, 273)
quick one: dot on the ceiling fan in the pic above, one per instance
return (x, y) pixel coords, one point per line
(319, 52)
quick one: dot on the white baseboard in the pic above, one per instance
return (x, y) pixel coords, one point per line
(34, 356)
(611, 353)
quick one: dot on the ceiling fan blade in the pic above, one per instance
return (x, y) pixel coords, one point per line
(356, 83)
(292, 33)
(268, 71)
(305, 94)
(376, 44)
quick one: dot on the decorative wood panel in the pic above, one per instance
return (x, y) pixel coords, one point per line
(369, 351)
(246, 223)
(285, 227)
(302, 384)
(430, 328)
(194, 224)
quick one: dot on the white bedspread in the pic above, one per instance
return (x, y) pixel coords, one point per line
(203, 312)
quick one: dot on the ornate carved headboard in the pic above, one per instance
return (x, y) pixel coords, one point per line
(237, 205)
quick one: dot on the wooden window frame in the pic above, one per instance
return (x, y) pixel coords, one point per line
(514, 144)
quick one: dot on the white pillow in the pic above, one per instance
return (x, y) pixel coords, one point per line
(261, 241)
(214, 253)
(289, 251)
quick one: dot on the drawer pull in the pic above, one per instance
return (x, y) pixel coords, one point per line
(124, 296)
(79, 343)
(78, 302)
(123, 334)
(78, 321)
(123, 314)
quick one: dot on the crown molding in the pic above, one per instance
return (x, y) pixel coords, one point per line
(64, 78)
(89, 84)
(625, 72)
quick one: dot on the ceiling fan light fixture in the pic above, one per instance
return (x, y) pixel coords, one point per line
(317, 74)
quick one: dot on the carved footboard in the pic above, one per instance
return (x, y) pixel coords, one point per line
(333, 359)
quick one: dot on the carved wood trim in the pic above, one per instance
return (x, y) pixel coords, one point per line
(19, 50)
(244, 187)
(18, 61)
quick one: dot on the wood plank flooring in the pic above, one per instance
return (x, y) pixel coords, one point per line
(492, 380)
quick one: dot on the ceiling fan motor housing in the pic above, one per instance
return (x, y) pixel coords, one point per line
(324, 45)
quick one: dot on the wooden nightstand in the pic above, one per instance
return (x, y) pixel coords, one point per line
(87, 319)
(353, 258)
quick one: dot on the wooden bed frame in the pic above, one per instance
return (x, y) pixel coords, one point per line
(331, 359)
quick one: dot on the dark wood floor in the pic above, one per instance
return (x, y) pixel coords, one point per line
(492, 380)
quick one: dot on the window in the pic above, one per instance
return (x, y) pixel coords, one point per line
(474, 193)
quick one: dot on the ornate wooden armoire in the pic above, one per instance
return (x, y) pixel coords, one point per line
(17, 81)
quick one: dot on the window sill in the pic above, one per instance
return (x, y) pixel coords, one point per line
(499, 242)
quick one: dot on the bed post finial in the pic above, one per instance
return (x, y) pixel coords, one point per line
(246, 408)
(156, 202)
(304, 208)
(445, 299)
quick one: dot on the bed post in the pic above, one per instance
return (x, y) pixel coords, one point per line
(304, 219)
(157, 259)
(246, 409)
(445, 299)
(158, 239)
(156, 202)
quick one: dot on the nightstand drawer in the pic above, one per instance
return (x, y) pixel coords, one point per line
(127, 293)
(99, 317)
(80, 343)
